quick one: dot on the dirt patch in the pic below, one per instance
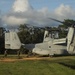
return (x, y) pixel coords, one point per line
(16, 59)
(9, 59)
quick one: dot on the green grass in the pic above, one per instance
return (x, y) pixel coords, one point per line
(38, 67)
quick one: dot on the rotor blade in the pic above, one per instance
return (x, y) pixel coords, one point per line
(56, 20)
(66, 23)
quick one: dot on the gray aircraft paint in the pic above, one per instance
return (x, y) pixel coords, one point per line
(51, 46)
(12, 40)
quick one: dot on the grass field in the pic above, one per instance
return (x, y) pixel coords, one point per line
(49, 66)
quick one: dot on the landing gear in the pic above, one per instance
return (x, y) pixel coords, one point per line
(5, 53)
(18, 53)
(29, 53)
(34, 54)
(51, 55)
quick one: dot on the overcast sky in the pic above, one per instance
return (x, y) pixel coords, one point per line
(35, 12)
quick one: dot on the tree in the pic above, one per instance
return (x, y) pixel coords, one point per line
(24, 34)
(67, 23)
(30, 34)
(2, 49)
(63, 27)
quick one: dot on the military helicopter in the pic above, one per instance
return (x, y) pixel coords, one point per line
(50, 45)
(53, 46)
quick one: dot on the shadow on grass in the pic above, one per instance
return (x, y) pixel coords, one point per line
(68, 65)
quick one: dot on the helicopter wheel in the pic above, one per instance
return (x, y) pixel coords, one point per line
(50, 55)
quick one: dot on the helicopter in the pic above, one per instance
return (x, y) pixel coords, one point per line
(53, 46)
